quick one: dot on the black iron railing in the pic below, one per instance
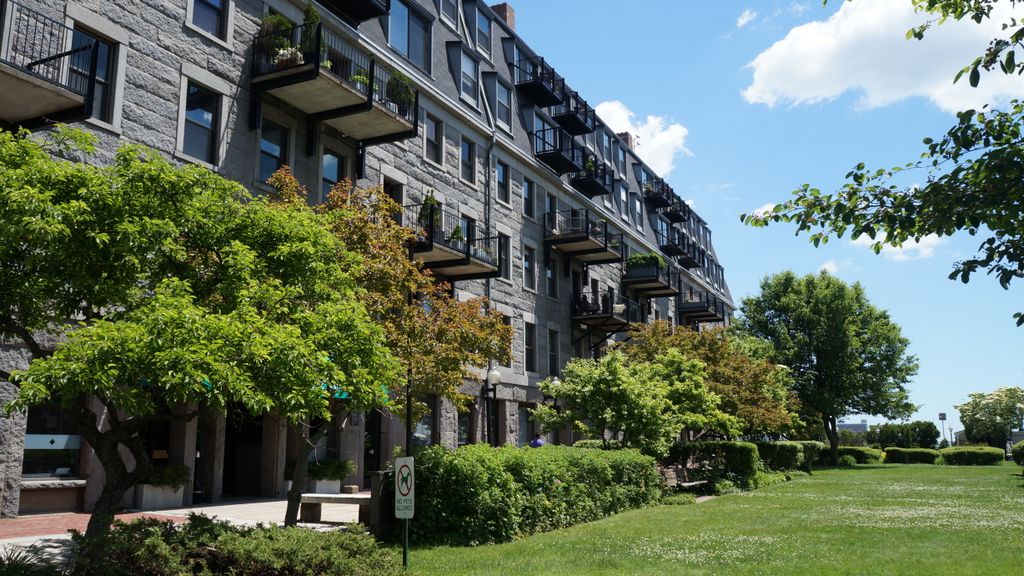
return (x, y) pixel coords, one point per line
(657, 192)
(47, 49)
(578, 221)
(677, 211)
(606, 303)
(540, 80)
(596, 178)
(651, 272)
(558, 149)
(308, 45)
(434, 224)
(574, 114)
(671, 237)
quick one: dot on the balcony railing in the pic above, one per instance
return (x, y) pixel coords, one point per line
(691, 254)
(558, 149)
(677, 212)
(589, 239)
(657, 193)
(539, 82)
(605, 310)
(356, 11)
(672, 241)
(43, 49)
(652, 279)
(700, 306)
(574, 114)
(596, 178)
(322, 74)
(450, 245)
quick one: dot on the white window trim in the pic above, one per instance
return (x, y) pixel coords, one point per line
(289, 123)
(76, 14)
(474, 101)
(507, 128)
(476, 35)
(552, 297)
(334, 145)
(229, 24)
(440, 144)
(536, 342)
(522, 186)
(476, 162)
(441, 16)
(190, 72)
(522, 267)
(497, 185)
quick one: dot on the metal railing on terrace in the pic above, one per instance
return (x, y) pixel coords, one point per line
(591, 303)
(578, 221)
(434, 224)
(558, 149)
(47, 49)
(539, 81)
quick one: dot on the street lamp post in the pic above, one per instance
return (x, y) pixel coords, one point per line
(490, 403)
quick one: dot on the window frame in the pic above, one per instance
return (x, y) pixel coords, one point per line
(342, 168)
(288, 143)
(226, 38)
(473, 99)
(439, 135)
(529, 200)
(551, 276)
(503, 186)
(499, 86)
(463, 160)
(504, 257)
(480, 18)
(414, 13)
(213, 146)
(194, 74)
(529, 350)
(554, 353)
(452, 21)
(529, 272)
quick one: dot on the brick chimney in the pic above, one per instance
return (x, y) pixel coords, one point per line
(506, 13)
(626, 138)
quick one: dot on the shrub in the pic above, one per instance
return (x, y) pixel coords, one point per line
(598, 444)
(781, 455)
(972, 455)
(847, 461)
(17, 562)
(173, 475)
(763, 479)
(861, 454)
(716, 459)
(679, 499)
(813, 451)
(480, 494)
(1018, 453)
(333, 469)
(894, 455)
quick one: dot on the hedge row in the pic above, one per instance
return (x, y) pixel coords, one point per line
(813, 451)
(972, 455)
(861, 454)
(479, 494)
(1018, 453)
(894, 455)
(781, 455)
(716, 460)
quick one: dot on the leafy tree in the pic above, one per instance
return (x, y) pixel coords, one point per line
(739, 370)
(847, 357)
(989, 418)
(971, 181)
(643, 405)
(434, 337)
(851, 438)
(916, 434)
(177, 293)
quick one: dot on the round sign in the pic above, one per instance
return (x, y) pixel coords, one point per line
(404, 480)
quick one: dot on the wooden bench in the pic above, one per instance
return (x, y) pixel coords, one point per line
(311, 505)
(688, 485)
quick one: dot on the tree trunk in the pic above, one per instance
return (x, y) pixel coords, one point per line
(306, 445)
(118, 478)
(832, 433)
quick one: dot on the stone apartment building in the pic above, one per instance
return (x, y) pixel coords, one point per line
(535, 202)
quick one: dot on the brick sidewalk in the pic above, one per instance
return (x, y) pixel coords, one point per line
(49, 524)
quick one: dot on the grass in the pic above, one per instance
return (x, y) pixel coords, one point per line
(881, 519)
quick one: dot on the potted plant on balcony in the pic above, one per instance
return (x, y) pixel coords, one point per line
(590, 166)
(456, 238)
(430, 206)
(398, 92)
(273, 35)
(326, 477)
(287, 58)
(643, 259)
(310, 30)
(163, 487)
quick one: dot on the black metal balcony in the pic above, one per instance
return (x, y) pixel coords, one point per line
(319, 73)
(47, 70)
(574, 114)
(672, 242)
(596, 178)
(652, 279)
(605, 310)
(677, 212)
(356, 11)
(691, 254)
(697, 306)
(538, 82)
(589, 239)
(558, 149)
(444, 247)
(657, 193)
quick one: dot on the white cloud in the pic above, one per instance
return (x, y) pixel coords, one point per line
(911, 249)
(798, 8)
(658, 141)
(863, 48)
(745, 18)
(830, 266)
(763, 210)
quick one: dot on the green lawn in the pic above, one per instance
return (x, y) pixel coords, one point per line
(887, 519)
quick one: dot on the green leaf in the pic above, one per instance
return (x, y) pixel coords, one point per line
(975, 77)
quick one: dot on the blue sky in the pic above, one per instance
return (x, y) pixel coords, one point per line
(751, 100)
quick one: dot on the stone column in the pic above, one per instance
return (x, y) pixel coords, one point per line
(210, 464)
(12, 453)
(350, 446)
(272, 456)
(181, 448)
(447, 424)
(508, 422)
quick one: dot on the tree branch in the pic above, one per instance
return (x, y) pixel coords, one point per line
(5, 375)
(22, 333)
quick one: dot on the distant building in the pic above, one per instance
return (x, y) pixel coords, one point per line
(862, 426)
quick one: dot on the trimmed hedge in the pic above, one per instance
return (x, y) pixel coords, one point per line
(813, 451)
(972, 456)
(598, 444)
(781, 455)
(894, 455)
(1018, 453)
(861, 454)
(718, 459)
(479, 494)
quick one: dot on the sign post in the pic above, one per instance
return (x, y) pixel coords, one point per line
(942, 422)
(405, 503)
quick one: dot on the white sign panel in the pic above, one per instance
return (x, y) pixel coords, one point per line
(405, 484)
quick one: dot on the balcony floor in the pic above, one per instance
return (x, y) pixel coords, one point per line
(25, 97)
(451, 263)
(584, 248)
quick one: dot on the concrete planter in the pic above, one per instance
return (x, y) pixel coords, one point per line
(150, 496)
(324, 486)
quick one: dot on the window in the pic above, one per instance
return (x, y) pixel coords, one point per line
(423, 433)
(503, 105)
(529, 198)
(103, 88)
(504, 192)
(551, 276)
(606, 140)
(638, 211)
(529, 267)
(332, 171)
(524, 425)
(483, 32)
(210, 16)
(409, 34)
(202, 112)
(624, 201)
(504, 256)
(434, 137)
(465, 428)
(470, 77)
(273, 148)
(530, 335)
(553, 363)
(468, 164)
(622, 159)
(450, 10)
(552, 204)
(51, 441)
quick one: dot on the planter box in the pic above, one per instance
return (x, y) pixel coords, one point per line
(149, 496)
(324, 486)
